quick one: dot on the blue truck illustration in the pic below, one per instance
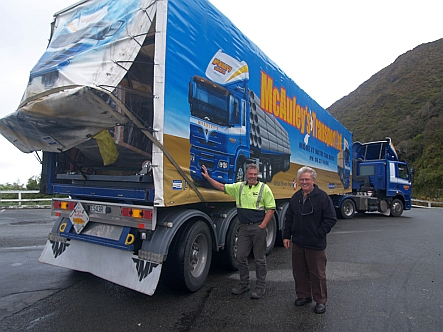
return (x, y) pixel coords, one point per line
(228, 129)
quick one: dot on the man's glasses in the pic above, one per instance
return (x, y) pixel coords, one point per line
(308, 213)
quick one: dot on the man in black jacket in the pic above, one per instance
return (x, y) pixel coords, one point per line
(310, 216)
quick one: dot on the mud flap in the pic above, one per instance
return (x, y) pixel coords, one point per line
(115, 265)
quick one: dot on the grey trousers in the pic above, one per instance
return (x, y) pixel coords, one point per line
(252, 237)
(309, 270)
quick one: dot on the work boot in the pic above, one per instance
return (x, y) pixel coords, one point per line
(258, 293)
(242, 288)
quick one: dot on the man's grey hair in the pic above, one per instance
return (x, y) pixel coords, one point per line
(253, 166)
(307, 169)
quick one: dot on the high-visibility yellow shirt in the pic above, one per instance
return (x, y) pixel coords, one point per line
(250, 194)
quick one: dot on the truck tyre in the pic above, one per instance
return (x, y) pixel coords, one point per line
(271, 235)
(189, 258)
(347, 209)
(287, 164)
(240, 172)
(340, 175)
(396, 208)
(265, 172)
(228, 256)
(269, 174)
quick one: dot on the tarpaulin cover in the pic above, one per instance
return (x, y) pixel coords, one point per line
(91, 48)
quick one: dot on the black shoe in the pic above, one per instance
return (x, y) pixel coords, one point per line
(240, 289)
(320, 308)
(302, 301)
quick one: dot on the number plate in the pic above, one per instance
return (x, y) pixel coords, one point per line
(94, 208)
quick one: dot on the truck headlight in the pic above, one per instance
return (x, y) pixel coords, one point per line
(223, 164)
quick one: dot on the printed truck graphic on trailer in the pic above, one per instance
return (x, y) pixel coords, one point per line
(228, 128)
(85, 31)
(344, 165)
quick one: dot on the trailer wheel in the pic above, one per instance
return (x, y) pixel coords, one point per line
(240, 172)
(228, 256)
(347, 209)
(265, 172)
(396, 208)
(269, 174)
(287, 164)
(190, 257)
(340, 175)
(271, 235)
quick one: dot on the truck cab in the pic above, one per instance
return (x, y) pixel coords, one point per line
(377, 172)
(218, 130)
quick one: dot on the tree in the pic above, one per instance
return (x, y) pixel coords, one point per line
(14, 186)
(33, 183)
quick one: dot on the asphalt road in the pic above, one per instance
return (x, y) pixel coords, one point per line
(384, 274)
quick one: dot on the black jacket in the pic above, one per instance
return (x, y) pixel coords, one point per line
(308, 223)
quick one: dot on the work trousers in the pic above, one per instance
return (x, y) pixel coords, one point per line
(252, 237)
(309, 270)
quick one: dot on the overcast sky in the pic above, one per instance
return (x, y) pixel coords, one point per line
(327, 47)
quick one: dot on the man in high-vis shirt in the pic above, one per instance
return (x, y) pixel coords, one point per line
(255, 208)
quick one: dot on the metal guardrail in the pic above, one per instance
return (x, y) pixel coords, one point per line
(20, 200)
(426, 204)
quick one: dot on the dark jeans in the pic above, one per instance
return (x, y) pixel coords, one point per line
(309, 270)
(252, 237)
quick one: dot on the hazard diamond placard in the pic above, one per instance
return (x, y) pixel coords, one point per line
(79, 217)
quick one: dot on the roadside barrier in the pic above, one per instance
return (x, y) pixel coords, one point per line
(426, 204)
(29, 198)
(23, 198)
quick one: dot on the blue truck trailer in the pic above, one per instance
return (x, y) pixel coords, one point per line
(131, 97)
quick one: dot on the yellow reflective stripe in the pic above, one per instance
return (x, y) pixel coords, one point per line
(259, 197)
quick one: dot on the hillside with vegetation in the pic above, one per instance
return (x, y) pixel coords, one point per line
(404, 101)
